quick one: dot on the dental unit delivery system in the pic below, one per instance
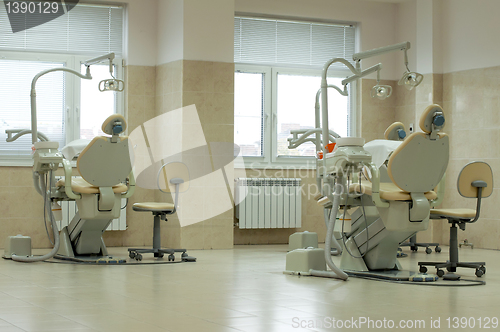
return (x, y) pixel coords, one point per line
(371, 240)
(104, 165)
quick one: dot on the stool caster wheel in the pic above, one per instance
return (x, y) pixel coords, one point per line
(423, 269)
(437, 249)
(158, 254)
(131, 254)
(184, 254)
(479, 272)
(413, 248)
(171, 257)
(483, 268)
(440, 273)
(138, 257)
(428, 250)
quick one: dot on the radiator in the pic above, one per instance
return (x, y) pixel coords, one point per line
(268, 203)
(69, 210)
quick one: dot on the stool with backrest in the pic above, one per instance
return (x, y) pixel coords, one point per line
(172, 177)
(474, 181)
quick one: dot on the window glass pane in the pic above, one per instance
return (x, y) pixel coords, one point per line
(15, 109)
(248, 111)
(296, 99)
(95, 105)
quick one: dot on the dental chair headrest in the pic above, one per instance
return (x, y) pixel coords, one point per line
(432, 119)
(395, 132)
(114, 125)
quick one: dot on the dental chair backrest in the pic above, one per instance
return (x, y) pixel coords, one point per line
(420, 162)
(105, 161)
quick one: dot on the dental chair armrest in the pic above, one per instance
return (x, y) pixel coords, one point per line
(131, 186)
(376, 186)
(68, 169)
(439, 192)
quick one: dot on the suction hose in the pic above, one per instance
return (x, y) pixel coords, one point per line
(337, 273)
(53, 252)
(337, 250)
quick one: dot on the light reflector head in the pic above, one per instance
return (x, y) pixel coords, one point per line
(411, 80)
(381, 91)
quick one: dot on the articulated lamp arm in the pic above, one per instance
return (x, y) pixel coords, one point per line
(34, 133)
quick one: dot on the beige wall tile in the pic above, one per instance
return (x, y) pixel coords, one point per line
(198, 76)
(223, 77)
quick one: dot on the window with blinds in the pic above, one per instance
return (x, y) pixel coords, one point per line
(278, 66)
(84, 32)
(281, 42)
(86, 29)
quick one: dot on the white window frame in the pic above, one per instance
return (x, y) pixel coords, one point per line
(72, 94)
(270, 159)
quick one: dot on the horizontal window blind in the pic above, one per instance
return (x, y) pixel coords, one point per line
(281, 42)
(15, 110)
(86, 29)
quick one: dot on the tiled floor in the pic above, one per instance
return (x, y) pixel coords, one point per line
(231, 290)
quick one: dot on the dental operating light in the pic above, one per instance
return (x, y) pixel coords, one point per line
(410, 79)
(381, 91)
(112, 84)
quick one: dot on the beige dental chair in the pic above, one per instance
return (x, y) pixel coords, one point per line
(105, 178)
(403, 205)
(397, 132)
(172, 177)
(474, 181)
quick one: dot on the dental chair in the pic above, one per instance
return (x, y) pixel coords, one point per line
(389, 213)
(397, 132)
(474, 181)
(172, 177)
(104, 166)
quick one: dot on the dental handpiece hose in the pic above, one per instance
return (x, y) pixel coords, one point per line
(336, 272)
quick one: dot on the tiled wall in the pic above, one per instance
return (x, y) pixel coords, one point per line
(21, 207)
(472, 106)
(210, 87)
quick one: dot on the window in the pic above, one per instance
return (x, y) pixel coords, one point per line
(68, 107)
(278, 73)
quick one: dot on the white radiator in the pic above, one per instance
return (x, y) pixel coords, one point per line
(69, 210)
(268, 203)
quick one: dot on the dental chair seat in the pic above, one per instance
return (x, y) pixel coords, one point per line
(456, 213)
(80, 186)
(388, 191)
(154, 207)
